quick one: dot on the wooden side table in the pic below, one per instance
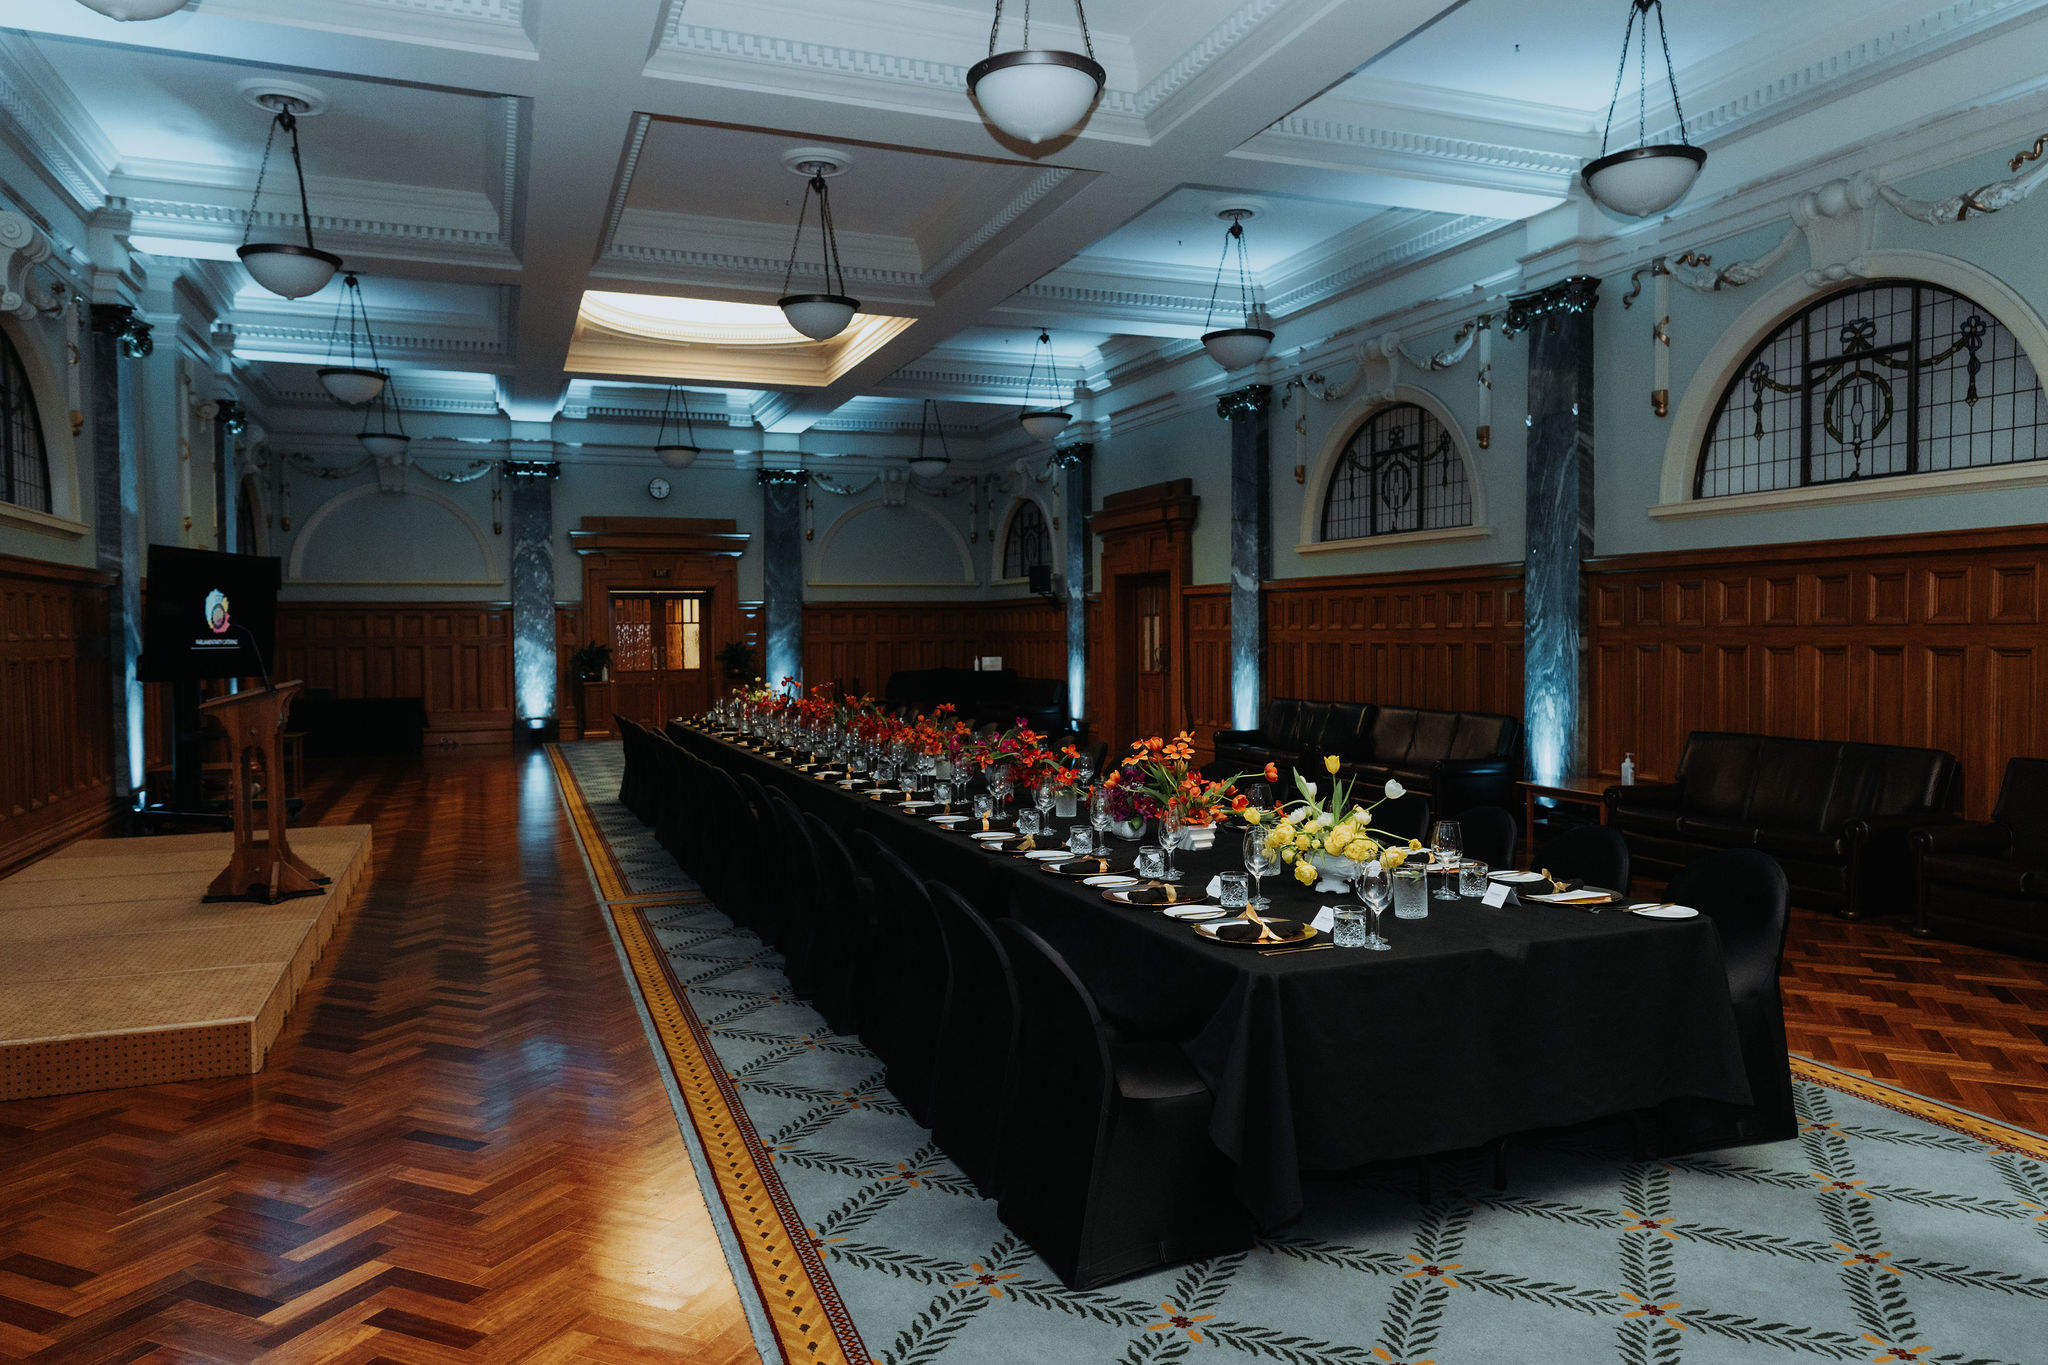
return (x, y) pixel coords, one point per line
(1577, 791)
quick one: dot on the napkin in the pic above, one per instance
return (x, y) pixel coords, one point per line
(1575, 897)
(1325, 920)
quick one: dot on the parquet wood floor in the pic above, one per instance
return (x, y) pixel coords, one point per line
(459, 1151)
(1956, 1024)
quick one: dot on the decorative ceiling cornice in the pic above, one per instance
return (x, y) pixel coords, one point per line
(38, 112)
(1430, 146)
(1444, 235)
(316, 341)
(1042, 184)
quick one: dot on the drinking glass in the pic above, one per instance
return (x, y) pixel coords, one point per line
(1100, 818)
(984, 807)
(942, 792)
(1472, 877)
(1066, 800)
(1080, 841)
(1260, 861)
(1371, 884)
(885, 772)
(1232, 894)
(1169, 840)
(1151, 862)
(1027, 822)
(1411, 892)
(1448, 844)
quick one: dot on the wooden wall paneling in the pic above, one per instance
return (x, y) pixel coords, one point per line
(56, 708)
(1926, 640)
(858, 645)
(569, 637)
(455, 656)
(1207, 669)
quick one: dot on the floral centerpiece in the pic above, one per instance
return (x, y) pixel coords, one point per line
(1158, 780)
(1321, 835)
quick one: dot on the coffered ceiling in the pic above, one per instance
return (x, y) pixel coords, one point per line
(494, 167)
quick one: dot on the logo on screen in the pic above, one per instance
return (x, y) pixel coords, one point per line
(217, 612)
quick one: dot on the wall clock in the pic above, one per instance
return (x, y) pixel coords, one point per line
(657, 487)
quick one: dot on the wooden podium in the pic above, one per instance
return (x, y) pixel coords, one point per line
(262, 869)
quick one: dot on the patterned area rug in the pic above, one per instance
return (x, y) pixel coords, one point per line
(1893, 1230)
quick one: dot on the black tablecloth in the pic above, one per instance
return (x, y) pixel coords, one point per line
(1479, 1024)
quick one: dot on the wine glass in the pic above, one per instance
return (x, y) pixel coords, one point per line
(1169, 840)
(1259, 861)
(1084, 770)
(1100, 818)
(1449, 845)
(1370, 881)
(1042, 797)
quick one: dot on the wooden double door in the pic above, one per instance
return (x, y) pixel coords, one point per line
(661, 654)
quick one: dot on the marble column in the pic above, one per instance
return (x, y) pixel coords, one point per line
(782, 573)
(1077, 461)
(532, 518)
(117, 335)
(1559, 321)
(1251, 546)
(229, 421)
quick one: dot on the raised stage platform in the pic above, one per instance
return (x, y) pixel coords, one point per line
(114, 971)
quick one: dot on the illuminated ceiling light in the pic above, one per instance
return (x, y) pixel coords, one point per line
(1648, 177)
(1035, 93)
(286, 268)
(134, 9)
(676, 454)
(825, 315)
(930, 466)
(1236, 347)
(352, 383)
(1044, 423)
(387, 441)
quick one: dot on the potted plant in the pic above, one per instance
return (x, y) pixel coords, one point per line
(737, 658)
(589, 662)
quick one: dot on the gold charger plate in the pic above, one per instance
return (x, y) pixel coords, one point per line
(1240, 933)
(1122, 895)
(1086, 867)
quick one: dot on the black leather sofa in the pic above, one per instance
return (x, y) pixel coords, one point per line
(1986, 882)
(1457, 759)
(1836, 816)
(997, 696)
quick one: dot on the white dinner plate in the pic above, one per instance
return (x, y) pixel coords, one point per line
(1109, 879)
(1194, 912)
(1514, 878)
(949, 819)
(993, 836)
(917, 805)
(1650, 910)
(1048, 855)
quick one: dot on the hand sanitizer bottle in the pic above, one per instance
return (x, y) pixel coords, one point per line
(1628, 770)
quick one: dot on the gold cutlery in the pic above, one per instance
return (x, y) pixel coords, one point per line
(1303, 948)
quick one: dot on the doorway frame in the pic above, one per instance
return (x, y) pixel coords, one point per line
(1144, 531)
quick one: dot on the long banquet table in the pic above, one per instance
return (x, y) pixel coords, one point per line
(1479, 1024)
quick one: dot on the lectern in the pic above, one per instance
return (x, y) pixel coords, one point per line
(263, 869)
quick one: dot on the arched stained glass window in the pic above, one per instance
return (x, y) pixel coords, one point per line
(1882, 380)
(1399, 472)
(1026, 542)
(24, 463)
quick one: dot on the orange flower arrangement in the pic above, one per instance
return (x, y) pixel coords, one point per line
(1158, 777)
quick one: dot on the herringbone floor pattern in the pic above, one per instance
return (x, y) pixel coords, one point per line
(1958, 1024)
(460, 1149)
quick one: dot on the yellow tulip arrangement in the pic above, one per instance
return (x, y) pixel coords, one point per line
(1336, 826)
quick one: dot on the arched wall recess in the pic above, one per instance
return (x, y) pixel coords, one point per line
(67, 512)
(821, 573)
(1695, 411)
(1324, 469)
(487, 574)
(1001, 541)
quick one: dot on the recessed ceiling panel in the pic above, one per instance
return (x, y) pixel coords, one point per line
(1182, 232)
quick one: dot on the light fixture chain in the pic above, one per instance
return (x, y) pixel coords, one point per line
(1643, 87)
(995, 29)
(334, 329)
(829, 255)
(1670, 72)
(802, 213)
(1222, 264)
(1086, 41)
(1620, 75)
(262, 170)
(1244, 276)
(305, 208)
(355, 289)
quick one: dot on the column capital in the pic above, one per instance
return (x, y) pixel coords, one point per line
(773, 478)
(1572, 294)
(120, 321)
(1250, 400)
(533, 469)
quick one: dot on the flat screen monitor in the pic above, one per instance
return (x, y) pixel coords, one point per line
(208, 615)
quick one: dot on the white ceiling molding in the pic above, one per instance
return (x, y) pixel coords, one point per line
(1288, 299)
(691, 249)
(1044, 183)
(39, 112)
(495, 27)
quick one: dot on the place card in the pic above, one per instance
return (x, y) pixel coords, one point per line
(1325, 920)
(1499, 894)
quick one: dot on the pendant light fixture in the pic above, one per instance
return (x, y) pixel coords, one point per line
(386, 440)
(286, 268)
(1647, 178)
(825, 315)
(1044, 423)
(134, 9)
(930, 466)
(1236, 347)
(1035, 93)
(682, 452)
(353, 383)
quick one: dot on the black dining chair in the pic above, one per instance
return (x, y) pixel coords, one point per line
(971, 1092)
(919, 1004)
(1490, 835)
(1406, 815)
(844, 898)
(748, 862)
(671, 768)
(1744, 891)
(1594, 854)
(792, 889)
(1109, 1171)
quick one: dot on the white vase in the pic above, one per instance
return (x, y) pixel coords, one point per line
(1336, 873)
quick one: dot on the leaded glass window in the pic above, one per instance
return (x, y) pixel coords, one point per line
(1882, 380)
(1026, 543)
(24, 463)
(1399, 472)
